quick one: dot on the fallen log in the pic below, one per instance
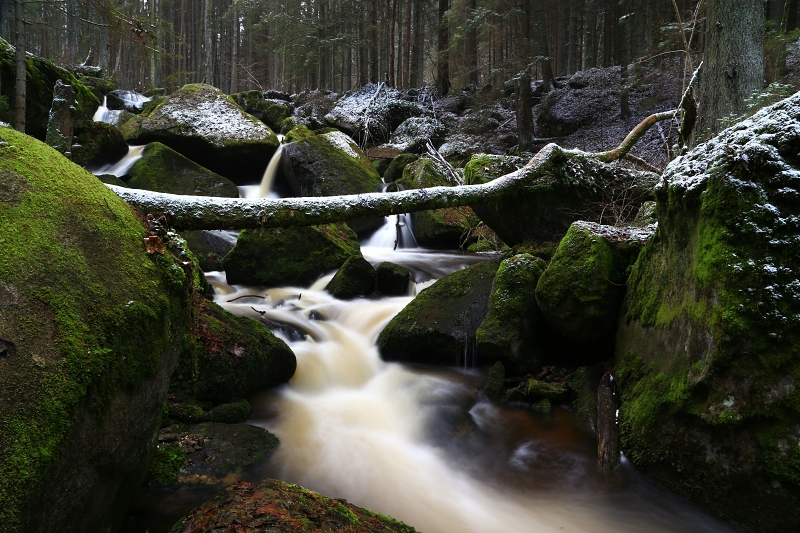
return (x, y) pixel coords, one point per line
(200, 212)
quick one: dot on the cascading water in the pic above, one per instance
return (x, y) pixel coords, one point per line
(420, 444)
(264, 189)
(395, 233)
(121, 167)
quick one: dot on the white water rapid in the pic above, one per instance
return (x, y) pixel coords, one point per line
(121, 167)
(419, 444)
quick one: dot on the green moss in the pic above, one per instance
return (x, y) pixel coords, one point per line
(162, 169)
(495, 379)
(348, 515)
(99, 143)
(166, 465)
(289, 256)
(482, 168)
(355, 278)
(534, 388)
(91, 313)
(299, 133)
(231, 413)
(396, 168)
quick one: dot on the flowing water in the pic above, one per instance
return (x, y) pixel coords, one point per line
(421, 444)
(121, 167)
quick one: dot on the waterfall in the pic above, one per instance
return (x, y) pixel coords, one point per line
(396, 231)
(264, 189)
(121, 167)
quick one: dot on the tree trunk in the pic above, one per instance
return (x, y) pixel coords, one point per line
(524, 96)
(544, 46)
(608, 457)
(392, 18)
(472, 44)
(234, 53)
(406, 44)
(208, 53)
(21, 72)
(416, 79)
(443, 43)
(733, 65)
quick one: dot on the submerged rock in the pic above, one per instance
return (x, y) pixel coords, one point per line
(438, 326)
(326, 165)
(355, 278)
(286, 508)
(508, 334)
(580, 292)
(205, 125)
(289, 256)
(392, 279)
(96, 324)
(708, 346)
(42, 75)
(162, 169)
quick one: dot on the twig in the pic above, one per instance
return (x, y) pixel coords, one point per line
(435, 155)
(642, 163)
(246, 296)
(633, 137)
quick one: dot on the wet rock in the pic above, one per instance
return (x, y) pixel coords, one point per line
(707, 347)
(289, 256)
(326, 165)
(512, 330)
(206, 453)
(284, 507)
(392, 279)
(163, 169)
(415, 133)
(438, 326)
(483, 168)
(59, 125)
(115, 103)
(210, 246)
(111, 180)
(355, 278)
(97, 325)
(230, 356)
(42, 75)
(100, 143)
(372, 112)
(440, 228)
(268, 110)
(570, 190)
(311, 108)
(581, 290)
(534, 389)
(493, 386)
(395, 170)
(205, 125)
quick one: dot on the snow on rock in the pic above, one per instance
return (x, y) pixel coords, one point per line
(205, 125)
(414, 133)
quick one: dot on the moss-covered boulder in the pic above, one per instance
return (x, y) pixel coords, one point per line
(270, 111)
(439, 228)
(509, 331)
(231, 356)
(289, 256)
(570, 189)
(95, 325)
(708, 346)
(204, 454)
(205, 125)
(415, 133)
(395, 169)
(438, 326)
(100, 143)
(286, 507)
(495, 381)
(42, 75)
(162, 169)
(326, 165)
(392, 279)
(210, 246)
(355, 278)
(580, 293)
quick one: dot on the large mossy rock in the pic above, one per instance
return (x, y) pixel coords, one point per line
(571, 189)
(270, 111)
(100, 143)
(414, 134)
(580, 293)
(205, 125)
(355, 278)
(231, 356)
(286, 507)
(42, 75)
(95, 325)
(210, 246)
(289, 256)
(508, 333)
(326, 165)
(438, 228)
(708, 347)
(162, 169)
(438, 326)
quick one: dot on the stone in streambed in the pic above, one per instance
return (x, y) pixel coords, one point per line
(437, 325)
(162, 169)
(100, 143)
(355, 278)
(205, 125)
(289, 256)
(270, 111)
(287, 507)
(392, 279)
(512, 330)
(395, 169)
(210, 246)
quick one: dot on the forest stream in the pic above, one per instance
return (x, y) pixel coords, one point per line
(420, 444)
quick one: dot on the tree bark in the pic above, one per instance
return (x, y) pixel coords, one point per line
(197, 212)
(472, 44)
(733, 60)
(208, 64)
(416, 77)
(608, 457)
(443, 44)
(21, 72)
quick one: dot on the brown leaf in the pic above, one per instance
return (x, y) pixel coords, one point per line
(154, 245)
